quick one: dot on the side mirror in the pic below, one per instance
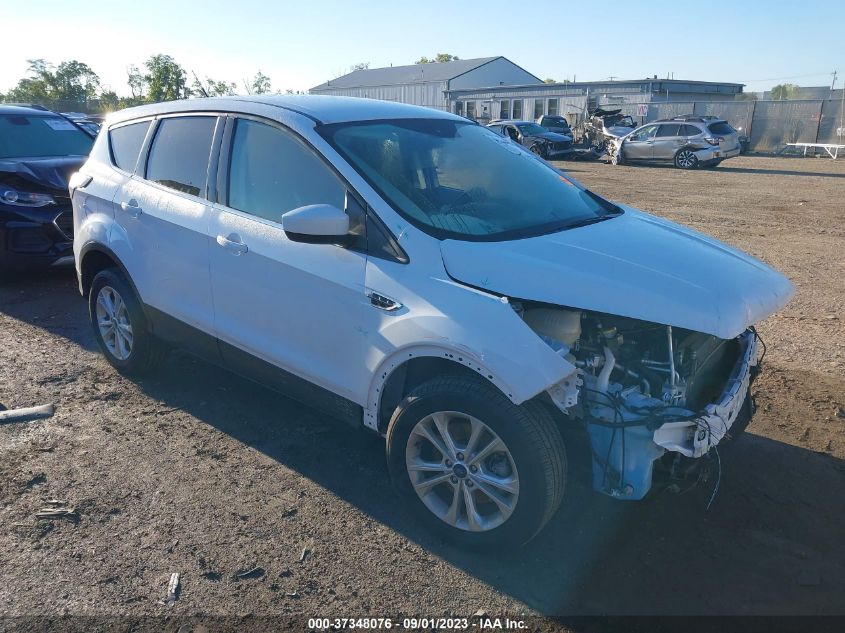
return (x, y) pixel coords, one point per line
(316, 224)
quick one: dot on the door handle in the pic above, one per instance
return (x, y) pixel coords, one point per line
(132, 208)
(235, 246)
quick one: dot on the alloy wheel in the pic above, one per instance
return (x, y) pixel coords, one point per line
(686, 159)
(113, 323)
(462, 471)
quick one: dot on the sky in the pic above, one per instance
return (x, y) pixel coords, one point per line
(302, 44)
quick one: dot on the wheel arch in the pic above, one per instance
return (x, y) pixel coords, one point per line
(411, 366)
(94, 257)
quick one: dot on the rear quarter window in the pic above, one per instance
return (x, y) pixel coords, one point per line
(689, 130)
(720, 127)
(180, 152)
(125, 142)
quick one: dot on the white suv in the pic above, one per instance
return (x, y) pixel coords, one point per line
(413, 273)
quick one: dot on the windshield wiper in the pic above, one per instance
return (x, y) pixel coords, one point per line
(593, 220)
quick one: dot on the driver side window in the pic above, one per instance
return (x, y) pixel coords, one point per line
(271, 172)
(645, 134)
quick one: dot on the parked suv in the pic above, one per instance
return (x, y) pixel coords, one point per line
(418, 275)
(555, 123)
(39, 150)
(686, 141)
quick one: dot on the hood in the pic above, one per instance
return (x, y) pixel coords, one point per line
(634, 265)
(552, 137)
(52, 172)
(618, 130)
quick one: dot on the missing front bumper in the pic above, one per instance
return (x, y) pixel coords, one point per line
(624, 456)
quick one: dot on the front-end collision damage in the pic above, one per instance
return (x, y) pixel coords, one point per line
(643, 389)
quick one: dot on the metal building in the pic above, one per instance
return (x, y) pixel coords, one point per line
(428, 84)
(572, 98)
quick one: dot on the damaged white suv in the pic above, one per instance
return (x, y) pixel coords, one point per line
(412, 272)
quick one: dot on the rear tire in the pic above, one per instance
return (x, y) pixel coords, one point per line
(686, 159)
(120, 326)
(500, 487)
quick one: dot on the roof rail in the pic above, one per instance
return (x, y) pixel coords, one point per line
(693, 117)
(34, 106)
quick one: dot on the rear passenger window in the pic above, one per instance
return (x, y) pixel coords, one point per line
(272, 172)
(179, 154)
(668, 129)
(125, 142)
(690, 130)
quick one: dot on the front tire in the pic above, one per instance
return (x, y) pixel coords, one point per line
(540, 150)
(120, 326)
(686, 159)
(473, 466)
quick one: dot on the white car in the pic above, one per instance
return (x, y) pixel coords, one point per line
(415, 274)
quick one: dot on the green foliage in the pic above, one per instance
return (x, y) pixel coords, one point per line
(73, 85)
(260, 84)
(440, 57)
(135, 80)
(166, 80)
(212, 88)
(71, 81)
(781, 92)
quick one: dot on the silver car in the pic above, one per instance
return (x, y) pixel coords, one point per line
(687, 141)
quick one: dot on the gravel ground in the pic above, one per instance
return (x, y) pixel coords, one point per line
(197, 471)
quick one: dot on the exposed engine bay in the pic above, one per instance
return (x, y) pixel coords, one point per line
(643, 389)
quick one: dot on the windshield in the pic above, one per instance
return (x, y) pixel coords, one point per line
(37, 136)
(530, 129)
(556, 121)
(457, 180)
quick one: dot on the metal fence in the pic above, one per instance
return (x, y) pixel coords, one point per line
(769, 125)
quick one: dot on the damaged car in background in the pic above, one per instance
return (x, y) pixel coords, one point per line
(39, 150)
(604, 125)
(489, 302)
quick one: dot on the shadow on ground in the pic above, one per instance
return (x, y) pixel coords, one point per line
(770, 544)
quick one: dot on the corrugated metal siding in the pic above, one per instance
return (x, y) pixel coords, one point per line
(430, 95)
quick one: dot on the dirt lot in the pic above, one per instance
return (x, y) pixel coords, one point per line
(199, 472)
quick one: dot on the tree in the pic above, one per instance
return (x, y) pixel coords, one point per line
(212, 88)
(110, 100)
(166, 80)
(747, 96)
(71, 81)
(259, 85)
(781, 92)
(136, 82)
(75, 81)
(440, 57)
(359, 66)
